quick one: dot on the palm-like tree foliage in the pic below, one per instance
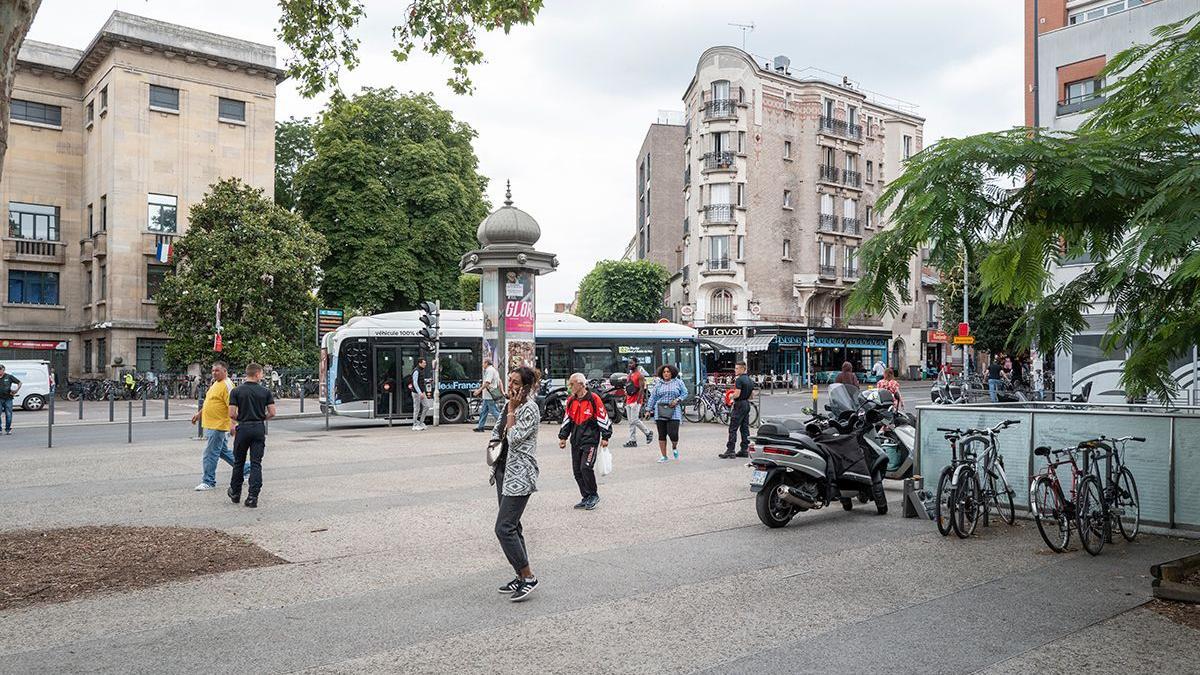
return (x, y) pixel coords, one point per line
(1124, 189)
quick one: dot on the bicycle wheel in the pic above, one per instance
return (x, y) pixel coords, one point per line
(722, 415)
(968, 504)
(1092, 515)
(1128, 508)
(692, 411)
(753, 414)
(1002, 498)
(944, 505)
(1050, 511)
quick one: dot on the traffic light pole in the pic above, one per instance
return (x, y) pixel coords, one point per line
(437, 368)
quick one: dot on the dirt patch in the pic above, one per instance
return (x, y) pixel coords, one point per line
(39, 566)
(1180, 612)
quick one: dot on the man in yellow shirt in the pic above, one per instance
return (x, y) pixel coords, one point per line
(214, 418)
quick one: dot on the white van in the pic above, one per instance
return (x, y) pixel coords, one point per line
(35, 383)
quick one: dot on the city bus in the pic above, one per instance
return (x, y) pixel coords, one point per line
(364, 362)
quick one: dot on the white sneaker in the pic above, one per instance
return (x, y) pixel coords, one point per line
(204, 486)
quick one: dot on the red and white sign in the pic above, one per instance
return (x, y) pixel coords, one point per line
(518, 316)
(937, 336)
(33, 344)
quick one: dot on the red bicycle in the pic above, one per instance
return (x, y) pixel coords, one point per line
(1054, 513)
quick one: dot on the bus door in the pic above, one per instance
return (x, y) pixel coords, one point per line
(393, 364)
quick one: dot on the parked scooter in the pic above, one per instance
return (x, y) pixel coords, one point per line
(893, 435)
(802, 465)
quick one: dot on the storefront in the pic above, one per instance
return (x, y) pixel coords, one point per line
(54, 351)
(785, 353)
(935, 348)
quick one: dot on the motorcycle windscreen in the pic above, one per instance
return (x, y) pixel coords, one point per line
(842, 398)
(846, 454)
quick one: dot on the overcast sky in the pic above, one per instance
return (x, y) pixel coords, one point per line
(561, 107)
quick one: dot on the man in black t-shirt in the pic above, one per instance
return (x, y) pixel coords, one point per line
(995, 379)
(739, 417)
(250, 406)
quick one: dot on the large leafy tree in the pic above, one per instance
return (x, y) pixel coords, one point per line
(623, 291)
(468, 292)
(1124, 190)
(261, 262)
(992, 323)
(394, 188)
(293, 147)
(320, 33)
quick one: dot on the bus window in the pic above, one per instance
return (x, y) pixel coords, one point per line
(354, 372)
(459, 365)
(560, 361)
(687, 366)
(643, 352)
(595, 363)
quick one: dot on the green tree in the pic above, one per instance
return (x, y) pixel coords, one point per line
(991, 324)
(261, 262)
(623, 291)
(320, 35)
(1123, 190)
(393, 187)
(293, 147)
(468, 292)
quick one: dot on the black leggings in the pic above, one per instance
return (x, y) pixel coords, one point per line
(668, 429)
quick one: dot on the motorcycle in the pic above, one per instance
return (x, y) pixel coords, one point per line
(893, 435)
(552, 400)
(802, 465)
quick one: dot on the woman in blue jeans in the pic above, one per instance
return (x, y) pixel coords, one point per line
(669, 391)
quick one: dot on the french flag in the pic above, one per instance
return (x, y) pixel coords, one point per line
(164, 252)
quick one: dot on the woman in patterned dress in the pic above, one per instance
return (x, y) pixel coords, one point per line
(890, 383)
(515, 475)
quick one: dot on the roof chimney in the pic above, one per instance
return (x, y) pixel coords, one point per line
(781, 64)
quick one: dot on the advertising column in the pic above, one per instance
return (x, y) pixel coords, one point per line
(518, 291)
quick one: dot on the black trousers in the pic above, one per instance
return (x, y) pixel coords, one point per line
(251, 438)
(583, 461)
(508, 526)
(739, 420)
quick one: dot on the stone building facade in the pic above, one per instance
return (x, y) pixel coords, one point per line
(781, 174)
(659, 196)
(109, 146)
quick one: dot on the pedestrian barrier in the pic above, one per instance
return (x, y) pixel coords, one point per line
(1166, 466)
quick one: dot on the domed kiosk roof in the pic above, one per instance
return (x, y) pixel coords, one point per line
(508, 225)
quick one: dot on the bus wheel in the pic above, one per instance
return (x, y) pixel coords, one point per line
(453, 410)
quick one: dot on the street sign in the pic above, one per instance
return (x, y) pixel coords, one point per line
(964, 329)
(328, 320)
(686, 311)
(938, 336)
(664, 320)
(964, 339)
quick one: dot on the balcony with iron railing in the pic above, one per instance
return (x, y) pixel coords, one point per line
(827, 271)
(851, 178)
(850, 272)
(20, 249)
(827, 173)
(835, 127)
(845, 322)
(720, 109)
(852, 226)
(719, 214)
(718, 266)
(827, 222)
(721, 160)
(717, 319)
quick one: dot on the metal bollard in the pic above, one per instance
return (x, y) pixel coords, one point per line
(199, 422)
(327, 404)
(301, 398)
(50, 425)
(166, 405)
(51, 411)
(111, 406)
(145, 396)
(81, 406)
(391, 407)
(130, 424)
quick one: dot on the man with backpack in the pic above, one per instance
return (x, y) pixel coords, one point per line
(416, 384)
(635, 389)
(586, 424)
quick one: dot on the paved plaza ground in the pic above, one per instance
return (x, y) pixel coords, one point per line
(393, 565)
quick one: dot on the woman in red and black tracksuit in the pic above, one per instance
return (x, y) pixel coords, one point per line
(587, 426)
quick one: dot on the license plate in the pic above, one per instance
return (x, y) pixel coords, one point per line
(758, 478)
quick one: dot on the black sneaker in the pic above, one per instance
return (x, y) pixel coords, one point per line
(252, 502)
(582, 503)
(726, 455)
(510, 587)
(630, 444)
(743, 453)
(650, 438)
(234, 497)
(592, 502)
(524, 588)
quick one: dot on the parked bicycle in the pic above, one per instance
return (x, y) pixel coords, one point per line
(963, 497)
(1110, 497)
(710, 406)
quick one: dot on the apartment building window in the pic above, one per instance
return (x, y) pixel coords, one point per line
(87, 286)
(103, 213)
(787, 199)
(787, 249)
(87, 356)
(828, 261)
(231, 110)
(718, 252)
(868, 127)
(868, 219)
(741, 140)
(90, 222)
(741, 194)
(787, 149)
(829, 108)
(27, 287)
(162, 213)
(932, 319)
(36, 113)
(720, 90)
(852, 162)
(104, 98)
(91, 111)
(721, 142)
(851, 264)
(164, 98)
(101, 354)
(103, 282)
(870, 171)
(907, 147)
(154, 278)
(852, 115)
(720, 306)
(741, 247)
(1091, 14)
(32, 221)
(151, 355)
(830, 156)
(1082, 90)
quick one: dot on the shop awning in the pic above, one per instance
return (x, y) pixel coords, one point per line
(737, 344)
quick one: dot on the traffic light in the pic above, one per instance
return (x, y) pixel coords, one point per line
(432, 330)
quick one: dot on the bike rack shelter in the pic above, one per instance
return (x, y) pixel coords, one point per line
(1166, 467)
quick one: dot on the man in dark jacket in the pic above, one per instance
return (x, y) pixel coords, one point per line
(417, 383)
(739, 418)
(587, 426)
